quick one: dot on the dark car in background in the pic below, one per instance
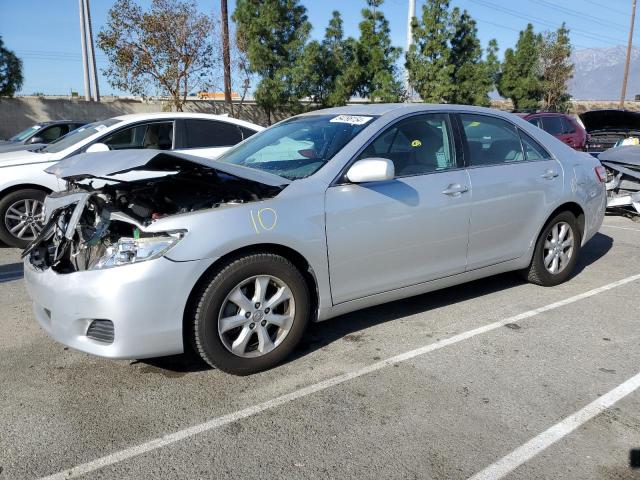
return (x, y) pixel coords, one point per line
(607, 127)
(563, 127)
(39, 134)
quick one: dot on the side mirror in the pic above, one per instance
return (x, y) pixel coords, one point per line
(371, 170)
(97, 147)
(36, 139)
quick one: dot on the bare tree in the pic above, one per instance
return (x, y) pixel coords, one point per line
(170, 46)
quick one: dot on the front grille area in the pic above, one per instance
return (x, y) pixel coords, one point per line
(101, 330)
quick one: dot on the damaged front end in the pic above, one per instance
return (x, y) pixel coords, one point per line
(623, 177)
(91, 227)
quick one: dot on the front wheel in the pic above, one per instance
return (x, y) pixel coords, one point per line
(21, 216)
(556, 251)
(251, 315)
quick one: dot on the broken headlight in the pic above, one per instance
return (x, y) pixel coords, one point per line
(128, 250)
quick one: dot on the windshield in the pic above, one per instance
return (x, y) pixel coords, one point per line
(298, 147)
(78, 135)
(23, 135)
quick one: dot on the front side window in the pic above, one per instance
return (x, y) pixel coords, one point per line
(157, 136)
(298, 147)
(491, 140)
(536, 121)
(416, 145)
(49, 134)
(210, 134)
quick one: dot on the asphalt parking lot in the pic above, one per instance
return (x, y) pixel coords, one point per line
(497, 378)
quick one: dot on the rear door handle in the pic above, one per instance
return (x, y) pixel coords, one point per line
(550, 174)
(455, 190)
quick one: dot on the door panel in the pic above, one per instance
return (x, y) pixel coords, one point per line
(514, 184)
(509, 205)
(383, 236)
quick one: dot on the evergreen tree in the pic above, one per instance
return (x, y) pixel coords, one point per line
(373, 73)
(445, 62)
(324, 64)
(557, 69)
(521, 76)
(10, 72)
(274, 33)
(429, 57)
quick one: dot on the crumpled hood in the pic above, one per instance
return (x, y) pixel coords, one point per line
(23, 157)
(615, 120)
(117, 162)
(629, 155)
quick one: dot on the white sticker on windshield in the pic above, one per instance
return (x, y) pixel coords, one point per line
(99, 128)
(36, 127)
(351, 119)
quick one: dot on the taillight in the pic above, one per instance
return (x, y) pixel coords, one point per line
(601, 173)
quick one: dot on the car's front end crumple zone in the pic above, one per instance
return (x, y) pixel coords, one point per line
(98, 273)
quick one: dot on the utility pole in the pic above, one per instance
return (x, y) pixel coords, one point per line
(226, 56)
(83, 40)
(92, 52)
(411, 14)
(623, 94)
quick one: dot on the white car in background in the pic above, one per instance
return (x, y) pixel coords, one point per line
(24, 184)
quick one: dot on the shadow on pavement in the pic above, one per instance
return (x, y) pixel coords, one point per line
(11, 271)
(322, 334)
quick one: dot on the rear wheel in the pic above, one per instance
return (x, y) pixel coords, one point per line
(556, 251)
(21, 216)
(251, 315)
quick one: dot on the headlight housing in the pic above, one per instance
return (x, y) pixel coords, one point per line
(128, 250)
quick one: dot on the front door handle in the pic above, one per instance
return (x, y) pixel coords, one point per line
(550, 174)
(455, 190)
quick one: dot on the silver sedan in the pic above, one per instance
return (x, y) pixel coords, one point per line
(152, 253)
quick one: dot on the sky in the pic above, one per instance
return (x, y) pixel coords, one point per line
(45, 34)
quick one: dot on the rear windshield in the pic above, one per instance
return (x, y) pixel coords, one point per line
(78, 135)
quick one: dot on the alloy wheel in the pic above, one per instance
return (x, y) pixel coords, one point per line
(256, 316)
(558, 247)
(23, 219)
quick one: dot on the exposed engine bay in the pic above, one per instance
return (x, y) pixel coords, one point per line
(88, 227)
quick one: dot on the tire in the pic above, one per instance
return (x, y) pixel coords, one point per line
(14, 206)
(220, 324)
(542, 273)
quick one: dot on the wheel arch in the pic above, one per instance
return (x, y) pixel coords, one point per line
(295, 257)
(572, 207)
(24, 186)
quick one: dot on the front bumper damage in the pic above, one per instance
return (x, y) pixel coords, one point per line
(95, 287)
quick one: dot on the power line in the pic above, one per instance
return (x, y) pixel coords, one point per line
(578, 14)
(607, 7)
(574, 31)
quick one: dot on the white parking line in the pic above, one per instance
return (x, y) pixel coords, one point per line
(621, 228)
(218, 422)
(533, 447)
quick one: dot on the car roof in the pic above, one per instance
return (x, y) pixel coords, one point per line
(137, 117)
(56, 122)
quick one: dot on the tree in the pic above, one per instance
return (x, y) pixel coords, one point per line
(521, 76)
(273, 34)
(445, 62)
(10, 72)
(324, 65)
(373, 73)
(429, 57)
(557, 69)
(169, 46)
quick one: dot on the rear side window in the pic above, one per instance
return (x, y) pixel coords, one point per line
(491, 140)
(210, 134)
(536, 121)
(532, 149)
(553, 125)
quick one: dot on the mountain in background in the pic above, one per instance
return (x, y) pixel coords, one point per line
(598, 74)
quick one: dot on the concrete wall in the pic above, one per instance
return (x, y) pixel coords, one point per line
(16, 114)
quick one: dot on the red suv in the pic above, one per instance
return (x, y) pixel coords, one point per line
(561, 126)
